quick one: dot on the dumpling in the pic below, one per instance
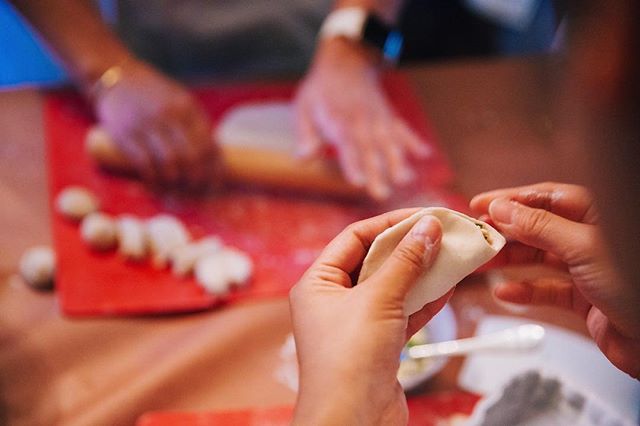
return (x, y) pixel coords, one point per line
(467, 243)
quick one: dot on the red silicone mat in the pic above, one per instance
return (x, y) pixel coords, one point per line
(431, 410)
(283, 233)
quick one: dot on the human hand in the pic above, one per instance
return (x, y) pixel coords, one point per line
(557, 224)
(342, 103)
(159, 126)
(349, 338)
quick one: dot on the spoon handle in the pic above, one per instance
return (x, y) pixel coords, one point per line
(526, 336)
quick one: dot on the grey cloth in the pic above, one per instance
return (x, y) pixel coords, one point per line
(223, 38)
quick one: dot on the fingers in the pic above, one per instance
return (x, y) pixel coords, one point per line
(399, 169)
(414, 144)
(372, 143)
(567, 240)
(516, 253)
(415, 254)
(572, 202)
(134, 149)
(309, 140)
(346, 251)
(372, 160)
(199, 152)
(164, 156)
(558, 292)
(622, 351)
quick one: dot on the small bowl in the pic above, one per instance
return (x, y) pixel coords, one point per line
(441, 328)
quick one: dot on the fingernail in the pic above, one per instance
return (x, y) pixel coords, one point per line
(304, 152)
(426, 230)
(425, 150)
(381, 192)
(356, 178)
(501, 210)
(405, 176)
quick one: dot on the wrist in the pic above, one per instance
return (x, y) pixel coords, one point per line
(344, 395)
(365, 29)
(328, 405)
(340, 52)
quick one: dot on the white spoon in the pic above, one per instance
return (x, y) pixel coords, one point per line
(526, 336)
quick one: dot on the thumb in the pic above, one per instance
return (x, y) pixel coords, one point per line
(415, 254)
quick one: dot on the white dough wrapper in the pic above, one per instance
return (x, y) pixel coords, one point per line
(166, 233)
(463, 249)
(132, 237)
(265, 126)
(184, 258)
(218, 271)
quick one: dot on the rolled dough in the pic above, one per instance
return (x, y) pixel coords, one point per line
(265, 126)
(463, 249)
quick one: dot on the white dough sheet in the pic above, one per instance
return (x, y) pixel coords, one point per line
(265, 126)
(467, 243)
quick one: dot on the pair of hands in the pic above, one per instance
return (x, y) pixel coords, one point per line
(349, 338)
(162, 130)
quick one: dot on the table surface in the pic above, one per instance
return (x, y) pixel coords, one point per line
(493, 120)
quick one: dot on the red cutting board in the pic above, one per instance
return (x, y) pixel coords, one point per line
(430, 410)
(282, 233)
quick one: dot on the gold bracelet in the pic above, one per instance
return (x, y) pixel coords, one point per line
(106, 81)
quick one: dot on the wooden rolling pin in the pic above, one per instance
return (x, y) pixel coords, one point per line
(247, 165)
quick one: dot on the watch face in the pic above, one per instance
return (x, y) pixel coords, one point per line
(385, 38)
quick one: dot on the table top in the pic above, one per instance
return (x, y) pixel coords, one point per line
(493, 120)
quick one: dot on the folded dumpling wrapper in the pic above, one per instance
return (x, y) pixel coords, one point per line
(463, 249)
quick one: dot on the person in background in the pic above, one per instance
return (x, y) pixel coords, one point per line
(163, 130)
(351, 377)
(153, 118)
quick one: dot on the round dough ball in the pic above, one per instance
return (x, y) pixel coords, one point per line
(166, 233)
(132, 238)
(218, 271)
(37, 267)
(75, 202)
(99, 231)
(239, 266)
(184, 258)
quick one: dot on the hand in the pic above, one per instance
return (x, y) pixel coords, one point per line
(349, 338)
(556, 224)
(159, 126)
(341, 102)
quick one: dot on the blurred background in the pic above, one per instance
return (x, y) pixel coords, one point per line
(216, 39)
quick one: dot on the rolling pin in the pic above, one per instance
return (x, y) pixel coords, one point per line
(266, 168)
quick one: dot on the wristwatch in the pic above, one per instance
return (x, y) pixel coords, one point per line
(360, 25)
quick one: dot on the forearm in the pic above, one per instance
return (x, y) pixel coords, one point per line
(75, 31)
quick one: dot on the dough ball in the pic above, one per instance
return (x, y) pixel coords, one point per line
(99, 231)
(132, 238)
(166, 233)
(239, 266)
(209, 274)
(218, 271)
(184, 258)
(37, 267)
(75, 202)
